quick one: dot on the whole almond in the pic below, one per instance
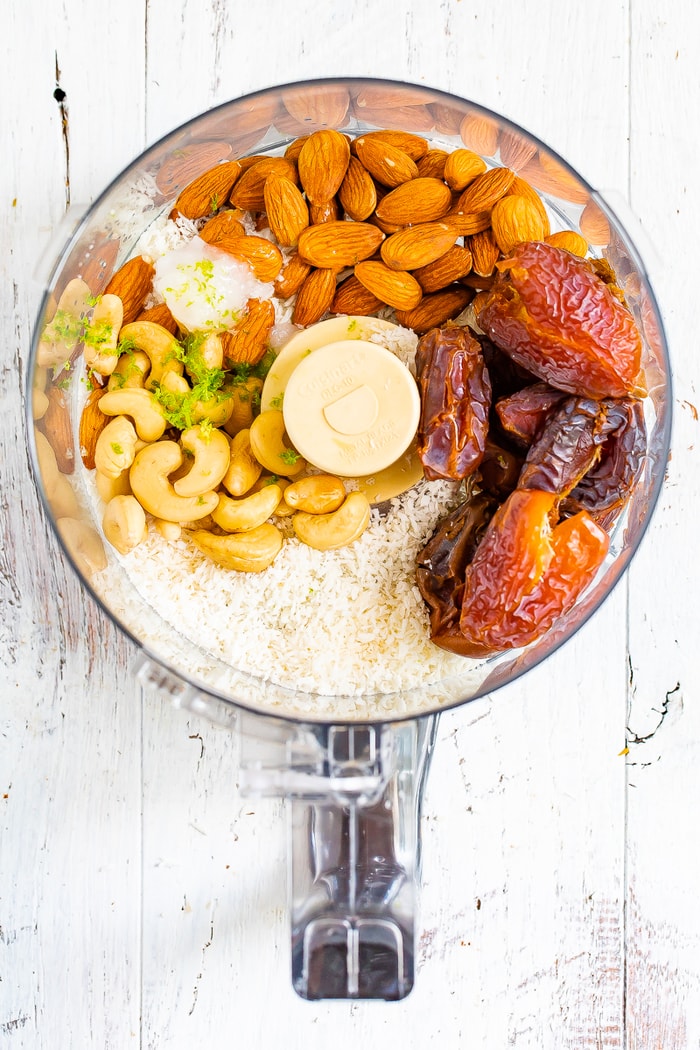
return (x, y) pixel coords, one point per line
(314, 298)
(415, 146)
(447, 118)
(396, 288)
(455, 263)
(358, 193)
(515, 219)
(287, 211)
(479, 133)
(294, 148)
(522, 188)
(417, 119)
(56, 425)
(485, 253)
(482, 193)
(550, 176)
(334, 245)
(465, 223)
(92, 423)
(328, 211)
(386, 163)
(351, 297)
(206, 194)
(223, 226)
(432, 165)
(132, 283)
(262, 256)
(248, 191)
(417, 245)
(435, 309)
(248, 341)
(420, 200)
(515, 150)
(293, 274)
(570, 240)
(323, 161)
(462, 167)
(186, 163)
(159, 314)
(594, 225)
(325, 108)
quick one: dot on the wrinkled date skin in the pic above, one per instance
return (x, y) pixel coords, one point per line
(567, 448)
(553, 315)
(455, 402)
(525, 573)
(524, 413)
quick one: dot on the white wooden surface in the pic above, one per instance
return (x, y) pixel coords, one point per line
(142, 900)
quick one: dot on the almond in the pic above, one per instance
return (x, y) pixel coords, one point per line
(415, 146)
(329, 211)
(248, 341)
(549, 176)
(594, 225)
(334, 245)
(479, 133)
(351, 297)
(462, 167)
(292, 276)
(485, 253)
(223, 226)
(455, 263)
(186, 163)
(515, 150)
(132, 283)
(396, 288)
(465, 223)
(409, 118)
(323, 161)
(522, 188)
(159, 314)
(322, 109)
(92, 423)
(262, 256)
(314, 298)
(432, 165)
(248, 191)
(98, 262)
(358, 193)
(434, 310)
(56, 425)
(287, 211)
(515, 219)
(209, 191)
(485, 190)
(419, 200)
(447, 118)
(388, 97)
(417, 245)
(570, 240)
(386, 163)
(294, 148)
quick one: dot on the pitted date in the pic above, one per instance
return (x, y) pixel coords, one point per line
(524, 413)
(567, 448)
(455, 402)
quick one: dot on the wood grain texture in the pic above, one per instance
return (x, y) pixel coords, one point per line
(143, 900)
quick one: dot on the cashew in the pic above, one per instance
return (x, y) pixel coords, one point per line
(83, 543)
(243, 551)
(210, 352)
(100, 346)
(215, 409)
(57, 488)
(40, 403)
(124, 523)
(141, 405)
(326, 532)
(116, 447)
(149, 483)
(162, 348)
(169, 530)
(282, 510)
(108, 487)
(244, 469)
(245, 398)
(63, 332)
(268, 445)
(317, 494)
(130, 370)
(210, 449)
(241, 515)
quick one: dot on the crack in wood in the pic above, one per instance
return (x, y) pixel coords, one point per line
(633, 738)
(60, 96)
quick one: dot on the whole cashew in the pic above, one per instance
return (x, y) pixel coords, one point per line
(83, 543)
(317, 494)
(250, 551)
(100, 345)
(62, 334)
(211, 453)
(241, 515)
(150, 484)
(210, 352)
(141, 405)
(216, 409)
(245, 397)
(169, 530)
(244, 469)
(269, 447)
(326, 532)
(124, 523)
(116, 447)
(58, 489)
(108, 488)
(130, 370)
(162, 348)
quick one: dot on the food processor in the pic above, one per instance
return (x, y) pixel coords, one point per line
(354, 782)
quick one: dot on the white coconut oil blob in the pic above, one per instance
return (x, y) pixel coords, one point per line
(204, 288)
